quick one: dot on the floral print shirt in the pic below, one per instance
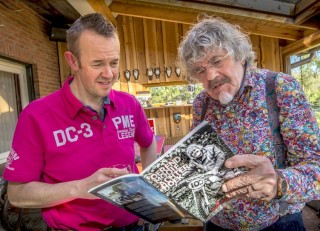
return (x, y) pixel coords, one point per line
(244, 126)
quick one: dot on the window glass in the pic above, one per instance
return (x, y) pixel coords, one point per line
(305, 67)
(172, 94)
(13, 97)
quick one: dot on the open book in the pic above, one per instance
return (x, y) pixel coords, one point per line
(184, 182)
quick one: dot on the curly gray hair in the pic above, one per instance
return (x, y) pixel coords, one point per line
(213, 34)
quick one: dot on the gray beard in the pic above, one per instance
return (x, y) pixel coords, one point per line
(225, 98)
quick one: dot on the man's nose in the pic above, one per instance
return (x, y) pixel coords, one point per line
(107, 71)
(211, 73)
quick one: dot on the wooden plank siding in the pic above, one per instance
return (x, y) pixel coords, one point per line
(170, 43)
(165, 124)
(151, 48)
(147, 43)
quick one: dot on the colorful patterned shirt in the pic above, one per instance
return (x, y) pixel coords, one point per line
(244, 126)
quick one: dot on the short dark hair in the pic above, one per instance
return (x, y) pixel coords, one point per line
(94, 22)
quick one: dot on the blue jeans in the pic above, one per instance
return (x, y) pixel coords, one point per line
(289, 222)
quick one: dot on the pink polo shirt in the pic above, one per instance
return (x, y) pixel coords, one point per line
(57, 139)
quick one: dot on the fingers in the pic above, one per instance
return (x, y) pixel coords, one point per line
(248, 191)
(245, 160)
(236, 185)
(265, 189)
(259, 182)
(100, 176)
(119, 171)
(113, 172)
(106, 174)
(251, 191)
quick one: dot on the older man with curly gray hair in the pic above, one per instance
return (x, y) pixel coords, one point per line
(265, 119)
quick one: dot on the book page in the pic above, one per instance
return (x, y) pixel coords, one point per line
(192, 172)
(132, 193)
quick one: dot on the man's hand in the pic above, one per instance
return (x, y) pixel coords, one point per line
(259, 182)
(43, 195)
(99, 177)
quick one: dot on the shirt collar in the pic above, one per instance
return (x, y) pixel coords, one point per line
(248, 77)
(106, 100)
(111, 99)
(74, 105)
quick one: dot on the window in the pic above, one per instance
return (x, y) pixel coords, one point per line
(174, 94)
(13, 98)
(305, 67)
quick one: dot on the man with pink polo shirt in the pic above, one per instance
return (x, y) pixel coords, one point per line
(67, 142)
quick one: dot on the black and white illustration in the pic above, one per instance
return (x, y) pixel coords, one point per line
(185, 181)
(192, 172)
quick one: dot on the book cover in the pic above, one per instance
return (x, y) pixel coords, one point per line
(134, 194)
(184, 182)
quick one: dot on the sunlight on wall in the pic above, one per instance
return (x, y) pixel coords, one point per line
(4, 106)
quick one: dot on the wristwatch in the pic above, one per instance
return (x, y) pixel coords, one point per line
(281, 185)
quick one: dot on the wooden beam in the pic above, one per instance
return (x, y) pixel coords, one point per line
(307, 13)
(231, 7)
(152, 12)
(247, 9)
(65, 9)
(83, 7)
(301, 45)
(303, 5)
(100, 6)
(312, 22)
(270, 6)
(189, 16)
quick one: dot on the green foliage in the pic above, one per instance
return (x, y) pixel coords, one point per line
(317, 114)
(316, 111)
(167, 94)
(309, 77)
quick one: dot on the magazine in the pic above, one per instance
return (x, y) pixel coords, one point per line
(184, 182)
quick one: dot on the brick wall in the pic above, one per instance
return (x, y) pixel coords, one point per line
(24, 37)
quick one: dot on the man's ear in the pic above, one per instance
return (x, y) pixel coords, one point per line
(72, 60)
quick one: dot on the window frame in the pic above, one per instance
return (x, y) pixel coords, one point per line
(21, 71)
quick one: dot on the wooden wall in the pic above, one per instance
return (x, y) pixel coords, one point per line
(147, 43)
(151, 44)
(165, 124)
(267, 52)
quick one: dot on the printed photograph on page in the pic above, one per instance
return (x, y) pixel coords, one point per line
(192, 172)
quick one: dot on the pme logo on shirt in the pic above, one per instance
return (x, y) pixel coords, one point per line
(11, 157)
(125, 126)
